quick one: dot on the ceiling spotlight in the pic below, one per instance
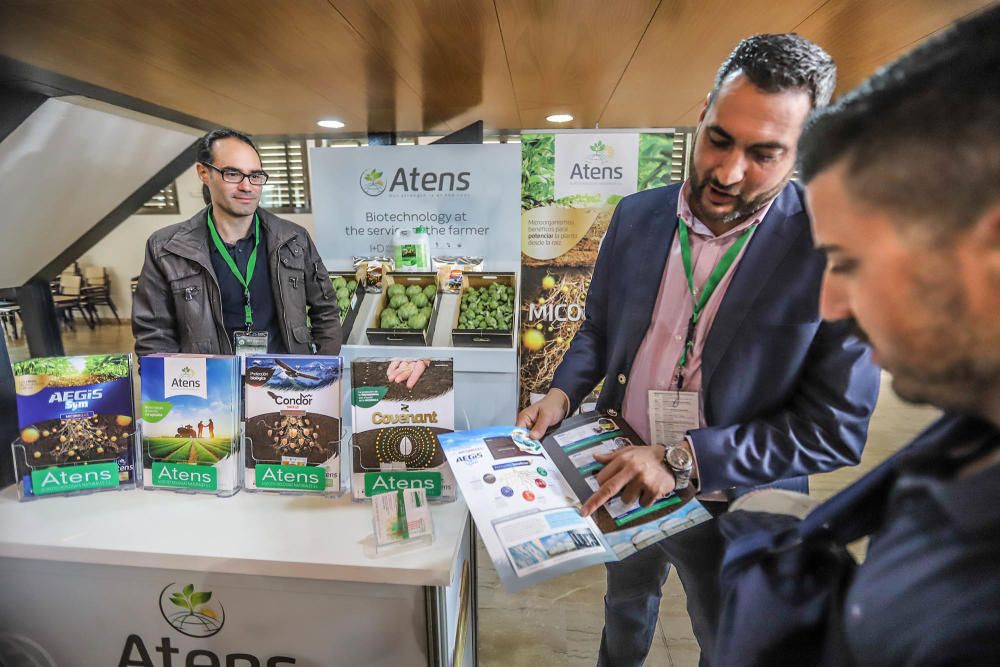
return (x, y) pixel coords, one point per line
(559, 118)
(330, 123)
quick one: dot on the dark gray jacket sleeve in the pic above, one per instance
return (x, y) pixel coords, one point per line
(153, 316)
(324, 313)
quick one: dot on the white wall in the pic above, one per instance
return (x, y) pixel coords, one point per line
(68, 165)
(122, 251)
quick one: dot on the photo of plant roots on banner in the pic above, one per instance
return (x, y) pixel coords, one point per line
(560, 241)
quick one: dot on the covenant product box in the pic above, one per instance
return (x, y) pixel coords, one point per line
(190, 423)
(399, 409)
(77, 426)
(292, 407)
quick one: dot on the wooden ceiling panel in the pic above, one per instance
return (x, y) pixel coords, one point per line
(436, 65)
(862, 35)
(450, 52)
(566, 56)
(675, 64)
(251, 64)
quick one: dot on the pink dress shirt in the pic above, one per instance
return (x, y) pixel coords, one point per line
(655, 365)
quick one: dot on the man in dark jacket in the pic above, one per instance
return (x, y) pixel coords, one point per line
(704, 296)
(234, 277)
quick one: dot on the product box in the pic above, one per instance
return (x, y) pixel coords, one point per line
(396, 426)
(77, 425)
(350, 291)
(292, 407)
(406, 312)
(191, 423)
(487, 313)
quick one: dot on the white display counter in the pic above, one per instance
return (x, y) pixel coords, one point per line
(294, 580)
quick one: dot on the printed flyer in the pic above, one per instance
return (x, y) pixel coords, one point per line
(525, 496)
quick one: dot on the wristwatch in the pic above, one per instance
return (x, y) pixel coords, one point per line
(679, 461)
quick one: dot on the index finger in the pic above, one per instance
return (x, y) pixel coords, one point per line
(604, 493)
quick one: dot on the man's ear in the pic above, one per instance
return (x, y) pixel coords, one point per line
(202, 172)
(704, 108)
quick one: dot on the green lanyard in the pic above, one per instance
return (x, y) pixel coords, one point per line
(231, 263)
(718, 273)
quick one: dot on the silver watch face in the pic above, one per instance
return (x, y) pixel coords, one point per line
(679, 458)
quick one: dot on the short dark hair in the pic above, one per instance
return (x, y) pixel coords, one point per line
(920, 137)
(204, 153)
(776, 63)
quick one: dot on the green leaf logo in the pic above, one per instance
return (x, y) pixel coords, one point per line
(196, 618)
(372, 182)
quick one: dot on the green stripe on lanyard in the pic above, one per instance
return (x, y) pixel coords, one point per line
(718, 273)
(231, 263)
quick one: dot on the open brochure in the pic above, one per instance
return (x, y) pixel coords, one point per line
(525, 497)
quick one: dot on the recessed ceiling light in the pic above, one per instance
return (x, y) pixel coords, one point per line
(330, 123)
(559, 118)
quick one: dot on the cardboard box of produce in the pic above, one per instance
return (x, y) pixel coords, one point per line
(486, 315)
(350, 293)
(407, 310)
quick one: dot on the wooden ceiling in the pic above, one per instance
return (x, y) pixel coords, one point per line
(433, 66)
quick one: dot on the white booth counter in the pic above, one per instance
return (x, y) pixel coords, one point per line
(123, 578)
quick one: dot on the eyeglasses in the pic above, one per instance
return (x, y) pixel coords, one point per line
(230, 175)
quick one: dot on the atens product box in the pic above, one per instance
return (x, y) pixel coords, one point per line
(399, 408)
(292, 407)
(77, 426)
(190, 428)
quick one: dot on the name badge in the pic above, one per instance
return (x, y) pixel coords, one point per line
(249, 343)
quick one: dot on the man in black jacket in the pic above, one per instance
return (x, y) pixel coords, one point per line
(234, 277)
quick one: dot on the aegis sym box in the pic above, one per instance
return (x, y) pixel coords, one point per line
(399, 408)
(190, 423)
(76, 420)
(292, 407)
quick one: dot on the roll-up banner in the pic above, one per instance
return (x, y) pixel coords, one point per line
(570, 185)
(463, 195)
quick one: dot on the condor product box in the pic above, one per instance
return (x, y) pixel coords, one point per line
(77, 427)
(292, 407)
(190, 423)
(399, 408)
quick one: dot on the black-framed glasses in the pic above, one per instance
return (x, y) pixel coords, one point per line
(230, 175)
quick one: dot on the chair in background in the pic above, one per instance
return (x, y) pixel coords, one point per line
(9, 312)
(70, 297)
(97, 289)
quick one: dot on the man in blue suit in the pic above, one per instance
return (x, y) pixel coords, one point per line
(704, 306)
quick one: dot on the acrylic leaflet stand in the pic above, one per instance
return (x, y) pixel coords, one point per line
(401, 520)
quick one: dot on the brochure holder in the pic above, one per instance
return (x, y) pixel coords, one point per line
(77, 426)
(395, 443)
(102, 473)
(293, 428)
(401, 521)
(190, 432)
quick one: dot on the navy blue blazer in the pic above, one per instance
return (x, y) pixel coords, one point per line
(784, 394)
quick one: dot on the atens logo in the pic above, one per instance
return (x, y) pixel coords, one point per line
(185, 377)
(373, 181)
